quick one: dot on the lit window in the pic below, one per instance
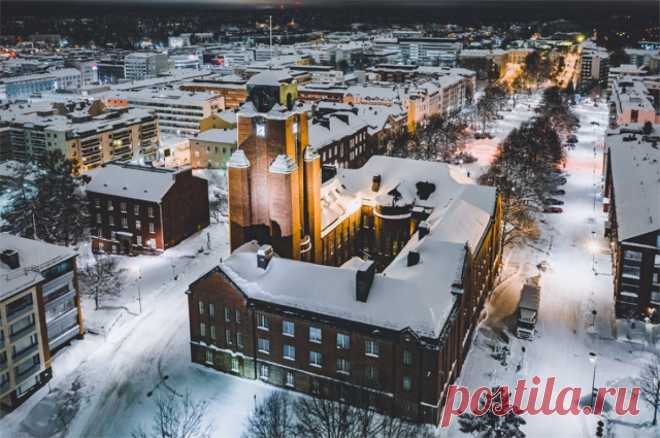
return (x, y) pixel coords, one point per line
(407, 383)
(290, 378)
(213, 332)
(235, 365)
(200, 305)
(315, 335)
(315, 359)
(227, 314)
(289, 352)
(407, 358)
(239, 340)
(288, 328)
(228, 337)
(371, 349)
(209, 357)
(343, 341)
(138, 225)
(211, 311)
(202, 329)
(263, 345)
(136, 209)
(264, 372)
(152, 228)
(262, 321)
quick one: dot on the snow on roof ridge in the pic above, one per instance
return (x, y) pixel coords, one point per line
(283, 164)
(238, 160)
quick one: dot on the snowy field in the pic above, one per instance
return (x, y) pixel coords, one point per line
(109, 380)
(574, 282)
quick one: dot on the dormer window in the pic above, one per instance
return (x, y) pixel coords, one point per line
(261, 130)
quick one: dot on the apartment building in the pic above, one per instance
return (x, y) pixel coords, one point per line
(22, 87)
(594, 63)
(631, 195)
(144, 65)
(82, 131)
(635, 100)
(212, 148)
(39, 313)
(179, 112)
(143, 209)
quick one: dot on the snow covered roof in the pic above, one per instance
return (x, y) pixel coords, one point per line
(218, 136)
(635, 165)
(132, 181)
(337, 128)
(418, 297)
(34, 256)
(270, 78)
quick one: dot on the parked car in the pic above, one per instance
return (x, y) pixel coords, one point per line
(552, 210)
(572, 138)
(595, 123)
(552, 201)
(558, 192)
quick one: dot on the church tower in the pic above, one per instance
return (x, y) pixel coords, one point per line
(272, 175)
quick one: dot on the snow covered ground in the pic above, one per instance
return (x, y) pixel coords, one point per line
(575, 280)
(110, 380)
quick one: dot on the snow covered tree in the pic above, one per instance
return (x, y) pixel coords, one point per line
(177, 417)
(649, 383)
(47, 201)
(102, 278)
(63, 206)
(273, 418)
(491, 425)
(20, 214)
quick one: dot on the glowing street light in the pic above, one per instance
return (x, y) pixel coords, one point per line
(593, 358)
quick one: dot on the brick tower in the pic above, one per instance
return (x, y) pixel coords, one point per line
(274, 195)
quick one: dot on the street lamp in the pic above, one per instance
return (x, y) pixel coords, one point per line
(593, 358)
(138, 272)
(593, 322)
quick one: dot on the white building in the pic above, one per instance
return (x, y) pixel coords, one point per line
(144, 65)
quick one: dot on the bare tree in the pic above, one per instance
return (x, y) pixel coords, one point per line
(176, 417)
(102, 278)
(273, 418)
(649, 383)
(520, 225)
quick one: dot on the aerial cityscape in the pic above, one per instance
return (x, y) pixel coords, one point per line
(332, 219)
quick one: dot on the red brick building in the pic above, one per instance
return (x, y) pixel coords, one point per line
(138, 209)
(403, 255)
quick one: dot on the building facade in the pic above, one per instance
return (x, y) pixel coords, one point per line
(395, 286)
(632, 185)
(142, 209)
(39, 313)
(144, 65)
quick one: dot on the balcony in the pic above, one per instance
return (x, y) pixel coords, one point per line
(21, 311)
(22, 332)
(26, 374)
(25, 352)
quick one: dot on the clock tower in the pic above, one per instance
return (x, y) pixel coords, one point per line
(274, 176)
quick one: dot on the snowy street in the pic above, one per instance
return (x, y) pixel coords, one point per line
(573, 261)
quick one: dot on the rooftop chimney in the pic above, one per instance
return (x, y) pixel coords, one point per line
(364, 277)
(10, 258)
(264, 254)
(375, 183)
(423, 229)
(413, 258)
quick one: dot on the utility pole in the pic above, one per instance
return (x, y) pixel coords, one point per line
(270, 34)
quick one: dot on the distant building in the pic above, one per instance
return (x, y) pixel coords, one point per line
(136, 209)
(632, 194)
(231, 88)
(624, 70)
(594, 64)
(144, 65)
(24, 86)
(635, 100)
(81, 131)
(212, 148)
(179, 112)
(40, 309)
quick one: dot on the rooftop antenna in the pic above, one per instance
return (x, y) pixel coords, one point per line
(270, 34)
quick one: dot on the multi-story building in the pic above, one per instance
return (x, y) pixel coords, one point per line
(138, 209)
(231, 88)
(624, 70)
(403, 254)
(24, 86)
(634, 100)
(144, 65)
(429, 50)
(179, 112)
(594, 63)
(39, 313)
(81, 131)
(212, 148)
(632, 194)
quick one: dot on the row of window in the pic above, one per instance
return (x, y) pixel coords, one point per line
(123, 207)
(228, 313)
(124, 223)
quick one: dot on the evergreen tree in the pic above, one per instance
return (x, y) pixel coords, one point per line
(20, 215)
